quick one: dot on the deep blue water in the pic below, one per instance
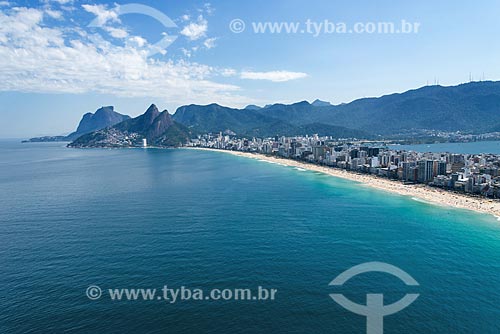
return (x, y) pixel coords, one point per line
(146, 218)
(463, 148)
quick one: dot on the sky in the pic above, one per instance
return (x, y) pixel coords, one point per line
(62, 58)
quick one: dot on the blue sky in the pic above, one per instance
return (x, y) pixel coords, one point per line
(54, 68)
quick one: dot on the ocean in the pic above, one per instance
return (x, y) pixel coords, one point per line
(146, 218)
(477, 147)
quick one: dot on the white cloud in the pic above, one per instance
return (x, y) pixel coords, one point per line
(195, 30)
(105, 16)
(210, 42)
(66, 5)
(185, 17)
(61, 2)
(208, 8)
(102, 14)
(35, 58)
(4, 4)
(137, 41)
(275, 76)
(187, 53)
(117, 32)
(55, 14)
(228, 72)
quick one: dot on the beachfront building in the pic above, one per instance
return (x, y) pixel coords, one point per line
(476, 174)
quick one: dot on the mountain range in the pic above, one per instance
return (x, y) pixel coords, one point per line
(258, 122)
(471, 108)
(157, 128)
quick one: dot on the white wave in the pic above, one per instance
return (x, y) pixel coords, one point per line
(420, 200)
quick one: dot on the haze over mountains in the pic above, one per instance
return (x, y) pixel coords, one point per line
(102, 118)
(472, 107)
(259, 122)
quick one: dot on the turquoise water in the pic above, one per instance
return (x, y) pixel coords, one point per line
(146, 218)
(463, 148)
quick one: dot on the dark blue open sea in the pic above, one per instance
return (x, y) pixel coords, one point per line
(145, 218)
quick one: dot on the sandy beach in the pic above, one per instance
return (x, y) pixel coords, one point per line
(417, 191)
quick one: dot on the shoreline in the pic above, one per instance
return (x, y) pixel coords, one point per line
(417, 192)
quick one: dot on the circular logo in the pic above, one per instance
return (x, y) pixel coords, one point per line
(375, 310)
(237, 26)
(93, 292)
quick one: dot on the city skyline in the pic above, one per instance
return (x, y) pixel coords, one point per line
(216, 166)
